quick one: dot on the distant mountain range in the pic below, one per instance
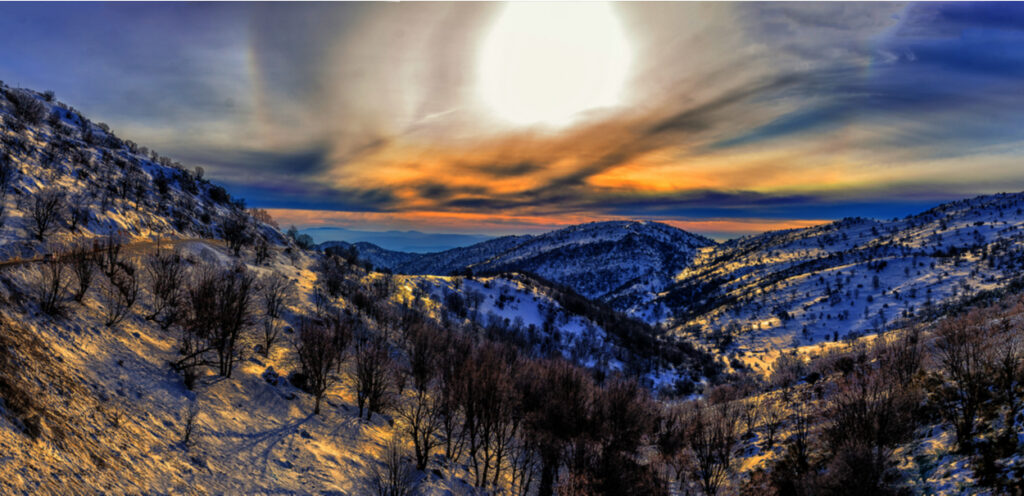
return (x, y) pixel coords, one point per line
(799, 286)
(405, 241)
(599, 260)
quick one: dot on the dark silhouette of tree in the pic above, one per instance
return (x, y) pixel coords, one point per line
(51, 284)
(393, 476)
(219, 305)
(236, 231)
(275, 293)
(166, 270)
(8, 173)
(45, 211)
(318, 357)
(713, 434)
(372, 374)
(963, 349)
(422, 417)
(119, 293)
(83, 263)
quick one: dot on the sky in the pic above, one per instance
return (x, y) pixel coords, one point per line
(488, 118)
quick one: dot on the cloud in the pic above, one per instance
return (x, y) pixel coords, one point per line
(769, 111)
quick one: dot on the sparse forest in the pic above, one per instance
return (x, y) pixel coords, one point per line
(158, 335)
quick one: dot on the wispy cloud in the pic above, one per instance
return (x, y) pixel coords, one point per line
(756, 115)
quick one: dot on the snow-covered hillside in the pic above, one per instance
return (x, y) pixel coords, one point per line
(851, 277)
(617, 261)
(545, 321)
(439, 263)
(92, 183)
(764, 293)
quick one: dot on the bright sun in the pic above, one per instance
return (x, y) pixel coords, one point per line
(544, 63)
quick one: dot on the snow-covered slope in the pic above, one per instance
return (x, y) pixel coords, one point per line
(851, 277)
(438, 263)
(543, 321)
(104, 184)
(617, 261)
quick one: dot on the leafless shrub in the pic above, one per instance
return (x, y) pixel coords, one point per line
(190, 414)
(45, 211)
(373, 374)
(27, 108)
(712, 438)
(219, 307)
(275, 294)
(318, 358)
(83, 264)
(51, 284)
(393, 476)
(166, 270)
(119, 293)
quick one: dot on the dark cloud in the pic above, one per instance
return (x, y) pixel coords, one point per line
(226, 164)
(302, 194)
(274, 99)
(520, 168)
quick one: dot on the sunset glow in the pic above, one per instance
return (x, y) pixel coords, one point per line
(688, 112)
(545, 63)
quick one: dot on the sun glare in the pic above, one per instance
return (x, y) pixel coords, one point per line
(545, 63)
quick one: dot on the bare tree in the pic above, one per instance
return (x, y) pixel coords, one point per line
(671, 441)
(318, 358)
(51, 285)
(83, 264)
(219, 305)
(45, 211)
(713, 437)
(275, 294)
(166, 271)
(963, 346)
(119, 293)
(200, 322)
(330, 272)
(421, 350)
(393, 476)
(234, 315)
(235, 230)
(110, 254)
(190, 415)
(8, 173)
(78, 212)
(372, 374)
(772, 416)
(262, 250)
(422, 416)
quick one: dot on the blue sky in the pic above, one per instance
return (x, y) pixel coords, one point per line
(733, 118)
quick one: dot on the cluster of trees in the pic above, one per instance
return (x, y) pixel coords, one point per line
(519, 423)
(978, 388)
(71, 272)
(219, 308)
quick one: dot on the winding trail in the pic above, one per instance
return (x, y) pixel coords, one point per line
(134, 247)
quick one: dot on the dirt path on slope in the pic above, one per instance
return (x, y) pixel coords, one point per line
(135, 247)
